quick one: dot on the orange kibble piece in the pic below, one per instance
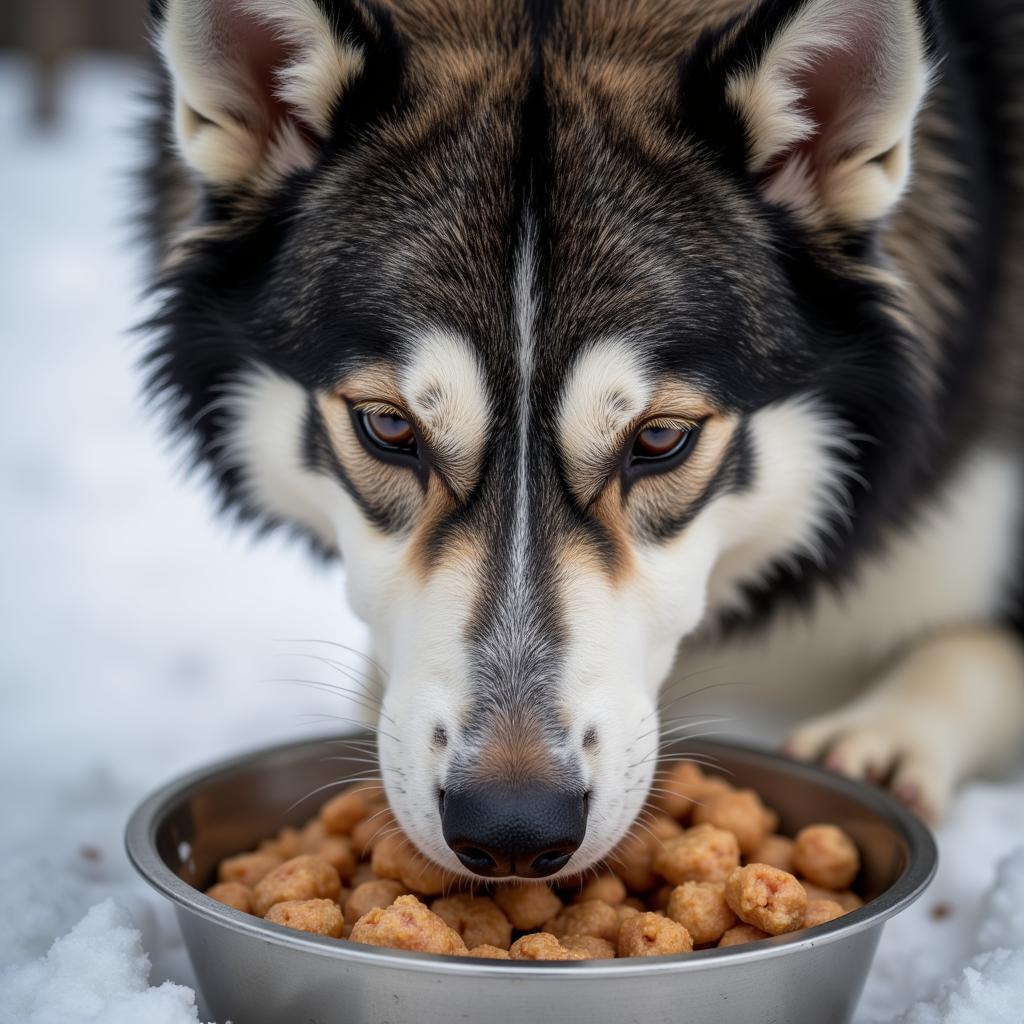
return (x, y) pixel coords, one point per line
(486, 952)
(369, 830)
(820, 911)
(624, 910)
(767, 898)
(381, 892)
(311, 835)
(319, 917)
(632, 860)
(541, 946)
(652, 935)
(846, 899)
(337, 851)
(479, 920)
(527, 906)
(420, 874)
(407, 924)
(661, 827)
(606, 888)
(740, 935)
(701, 854)
(389, 855)
(658, 900)
(826, 856)
(685, 787)
(363, 873)
(740, 812)
(702, 909)
(285, 845)
(247, 868)
(591, 918)
(776, 851)
(232, 894)
(343, 812)
(589, 947)
(305, 877)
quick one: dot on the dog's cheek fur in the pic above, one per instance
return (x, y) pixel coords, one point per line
(796, 506)
(262, 445)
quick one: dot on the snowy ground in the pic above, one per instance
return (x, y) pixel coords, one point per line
(135, 624)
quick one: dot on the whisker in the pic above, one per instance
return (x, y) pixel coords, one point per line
(658, 757)
(693, 693)
(342, 647)
(677, 723)
(348, 673)
(352, 721)
(361, 760)
(319, 789)
(334, 689)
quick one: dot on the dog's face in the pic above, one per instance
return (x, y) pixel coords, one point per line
(547, 359)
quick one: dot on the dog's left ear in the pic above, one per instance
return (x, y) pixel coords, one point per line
(826, 93)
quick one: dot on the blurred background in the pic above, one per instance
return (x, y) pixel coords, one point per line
(139, 634)
(51, 33)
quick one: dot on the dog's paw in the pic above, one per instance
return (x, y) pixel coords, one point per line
(882, 748)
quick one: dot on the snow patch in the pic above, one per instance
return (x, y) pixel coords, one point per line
(989, 990)
(97, 974)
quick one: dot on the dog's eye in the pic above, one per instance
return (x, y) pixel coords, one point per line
(387, 430)
(663, 442)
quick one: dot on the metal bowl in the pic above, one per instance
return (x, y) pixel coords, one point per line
(253, 972)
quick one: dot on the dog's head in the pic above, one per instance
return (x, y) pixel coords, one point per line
(560, 328)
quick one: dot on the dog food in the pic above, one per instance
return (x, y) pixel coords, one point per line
(705, 866)
(321, 917)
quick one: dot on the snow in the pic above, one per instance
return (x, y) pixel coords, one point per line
(98, 972)
(138, 627)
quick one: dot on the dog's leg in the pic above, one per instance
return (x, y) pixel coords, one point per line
(953, 706)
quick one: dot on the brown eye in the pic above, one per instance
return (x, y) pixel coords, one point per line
(667, 443)
(655, 442)
(388, 430)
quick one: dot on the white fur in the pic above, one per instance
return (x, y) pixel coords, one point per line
(446, 391)
(607, 388)
(802, 483)
(264, 442)
(947, 569)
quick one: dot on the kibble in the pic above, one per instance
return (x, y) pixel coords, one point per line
(703, 866)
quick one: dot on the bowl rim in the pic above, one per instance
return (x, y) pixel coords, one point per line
(922, 862)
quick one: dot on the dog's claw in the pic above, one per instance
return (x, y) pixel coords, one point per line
(867, 749)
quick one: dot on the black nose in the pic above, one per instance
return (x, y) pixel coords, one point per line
(496, 831)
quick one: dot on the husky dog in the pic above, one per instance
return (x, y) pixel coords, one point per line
(606, 340)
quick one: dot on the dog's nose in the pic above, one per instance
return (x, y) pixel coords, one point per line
(530, 832)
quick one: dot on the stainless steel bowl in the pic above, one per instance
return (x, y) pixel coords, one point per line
(252, 972)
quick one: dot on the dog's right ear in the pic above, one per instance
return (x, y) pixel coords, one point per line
(258, 83)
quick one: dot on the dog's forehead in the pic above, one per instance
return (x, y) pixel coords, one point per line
(634, 231)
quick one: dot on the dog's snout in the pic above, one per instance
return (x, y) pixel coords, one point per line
(531, 832)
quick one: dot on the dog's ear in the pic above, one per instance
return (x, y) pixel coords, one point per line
(826, 93)
(257, 83)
